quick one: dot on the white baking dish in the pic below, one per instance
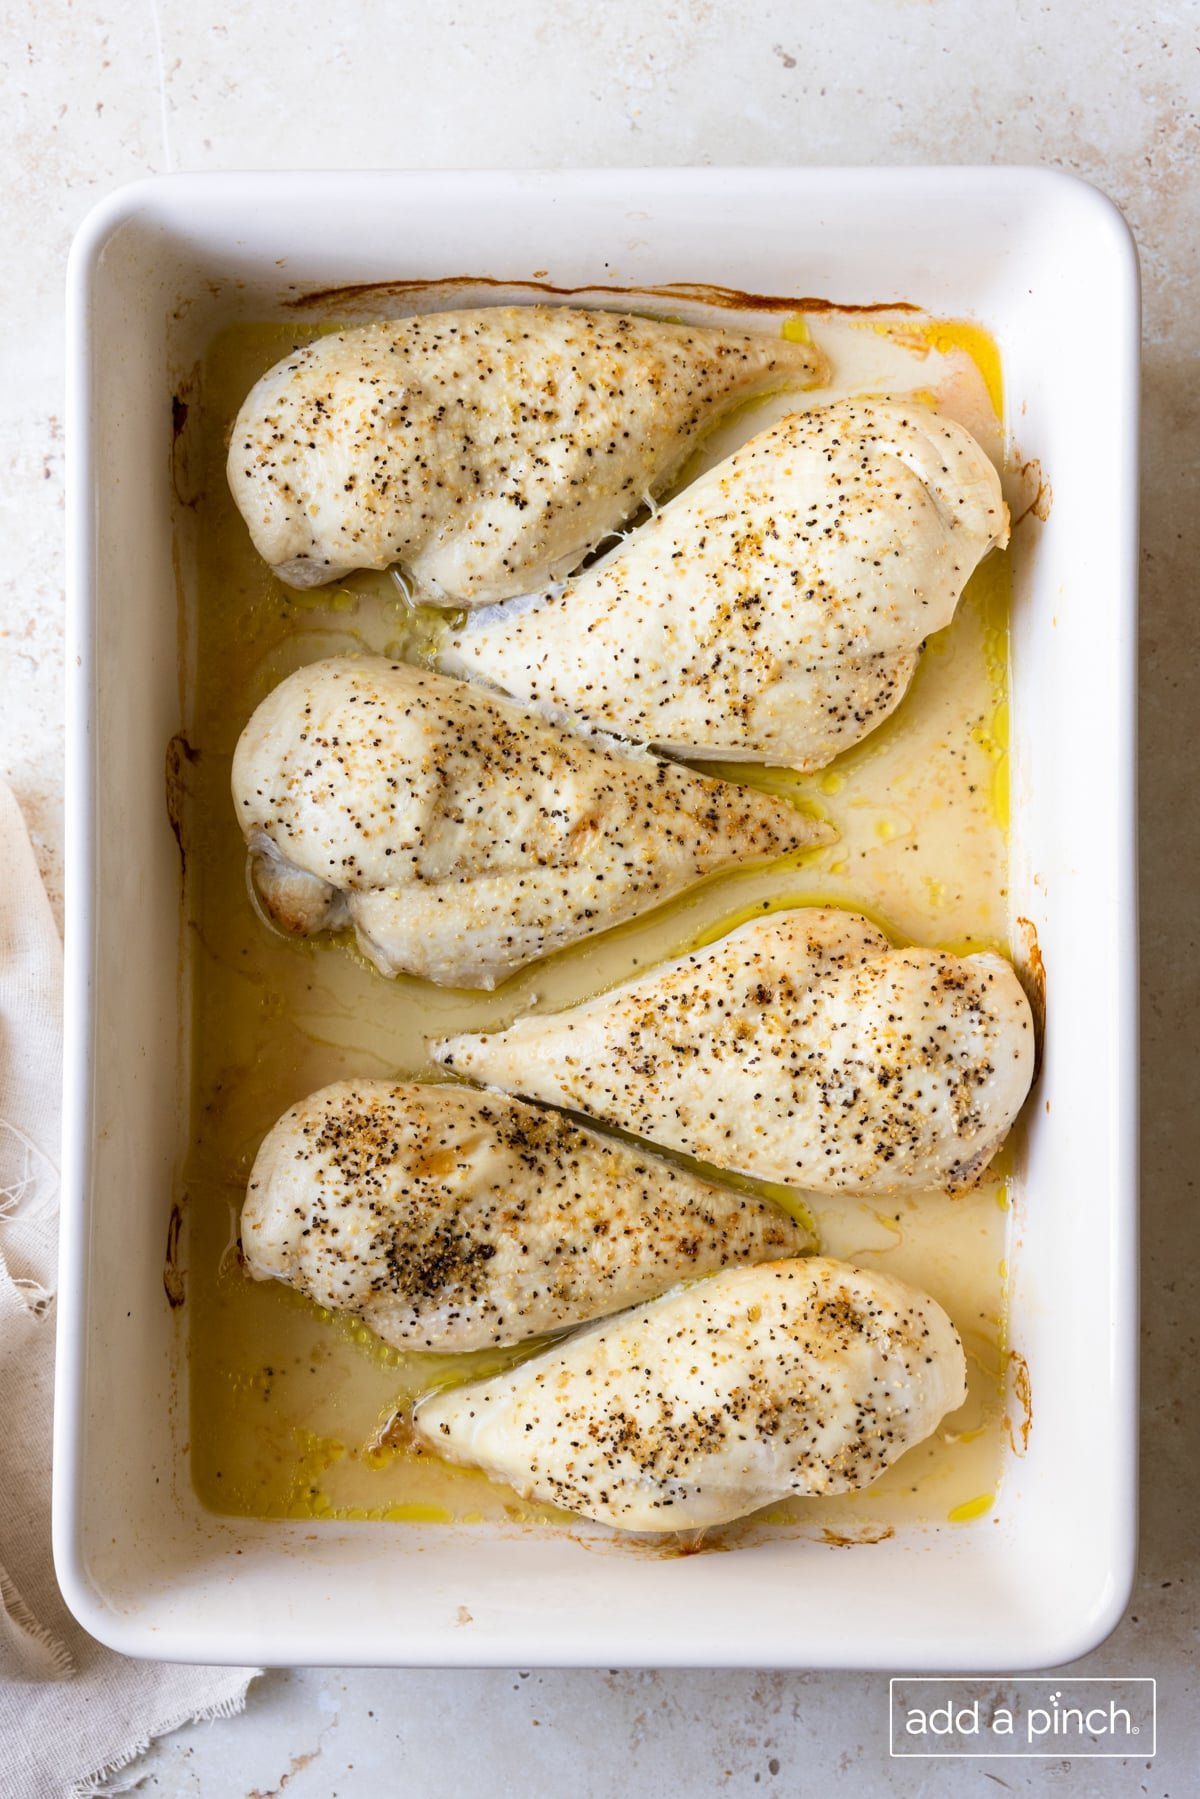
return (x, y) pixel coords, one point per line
(1048, 266)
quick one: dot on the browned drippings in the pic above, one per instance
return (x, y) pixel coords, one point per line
(1022, 1391)
(667, 1546)
(179, 754)
(836, 1540)
(693, 1542)
(728, 299)
(184, 474)
(1031, 970)
(172, 1271)
(1030, 479)
(398, 1436)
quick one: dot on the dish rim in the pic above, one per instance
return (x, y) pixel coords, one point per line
(109, 217)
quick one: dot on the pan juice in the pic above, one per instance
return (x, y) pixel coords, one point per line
(296, 1412)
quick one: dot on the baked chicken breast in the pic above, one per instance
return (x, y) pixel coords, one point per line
(486, 451)
(801, 1048)
(453, 1220)
(462, 837)
(797, 1377)
(774, 611)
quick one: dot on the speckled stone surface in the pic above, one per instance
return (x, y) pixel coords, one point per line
(94, 96)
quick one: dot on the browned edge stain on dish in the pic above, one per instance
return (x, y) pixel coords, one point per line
(691, 1542)
(1033, 483)
(173, 1274)
(837, 1540)
(1031, 972)
(180, 756)
(179, 419)
(679, 1545)
(1021, 1389)
(670, 1546)
(185, 483)
(731, 299)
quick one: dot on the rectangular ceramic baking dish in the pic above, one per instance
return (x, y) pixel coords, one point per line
(1048, 266)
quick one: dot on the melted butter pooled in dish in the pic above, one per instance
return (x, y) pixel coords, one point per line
(775, 610)
(462, 837)
(298, 1411)
(486, 450)
(800, 1377)
(450, 1220)
(801, 1048)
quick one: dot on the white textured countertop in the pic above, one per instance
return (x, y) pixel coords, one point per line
(93, 96)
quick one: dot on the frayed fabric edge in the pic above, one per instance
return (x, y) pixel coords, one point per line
(93, 1784)
(61, 1661)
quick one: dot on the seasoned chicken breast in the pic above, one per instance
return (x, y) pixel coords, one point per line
(798, 1377)
(455, 1220)
(487, 451)
(462, 837)
(801, 1048)
(775, 610)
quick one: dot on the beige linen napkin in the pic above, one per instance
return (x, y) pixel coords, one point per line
(70, 1711)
